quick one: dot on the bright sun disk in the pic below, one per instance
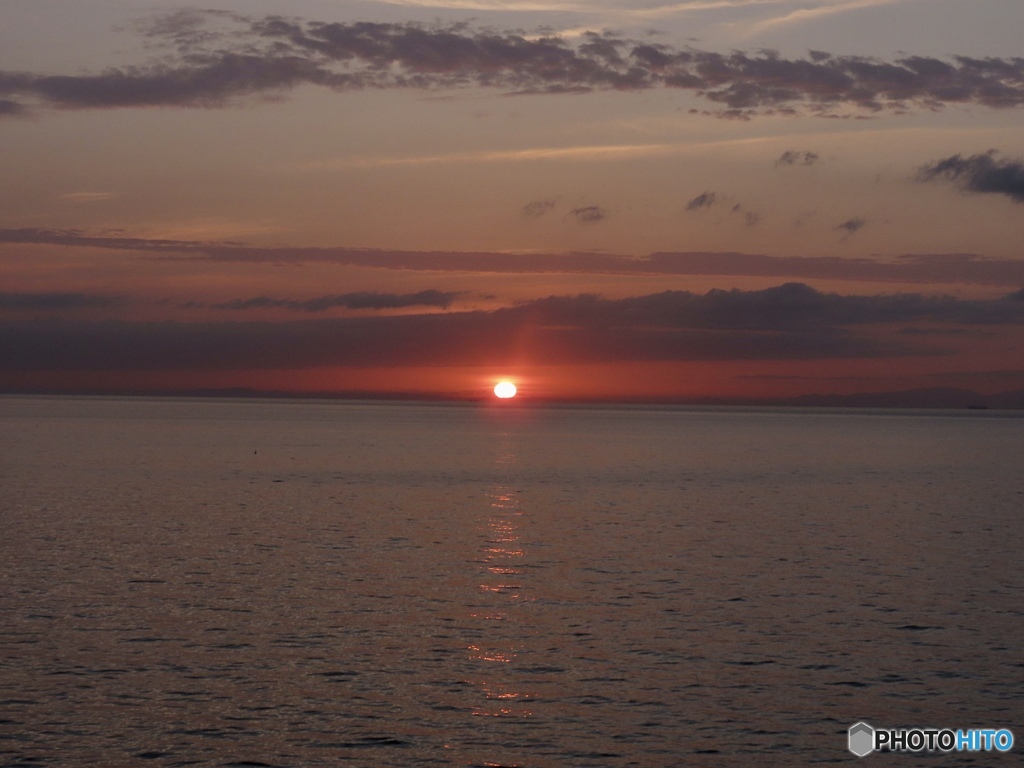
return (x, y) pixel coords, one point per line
(505, 389)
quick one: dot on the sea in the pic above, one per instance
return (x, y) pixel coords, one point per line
(245, 582)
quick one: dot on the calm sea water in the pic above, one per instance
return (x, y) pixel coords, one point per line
(250, 583)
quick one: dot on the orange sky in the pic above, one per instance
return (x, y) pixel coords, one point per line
(614, 201)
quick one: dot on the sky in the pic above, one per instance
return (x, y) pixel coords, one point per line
(602, 199)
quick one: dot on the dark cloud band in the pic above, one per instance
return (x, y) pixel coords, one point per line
(49, 302)
(789, 322)
(218, 58)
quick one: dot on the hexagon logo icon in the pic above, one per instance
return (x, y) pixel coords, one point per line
(862, 739)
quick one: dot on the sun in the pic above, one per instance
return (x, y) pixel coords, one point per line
(505, 390)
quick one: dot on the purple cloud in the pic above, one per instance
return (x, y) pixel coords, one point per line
(215, 59)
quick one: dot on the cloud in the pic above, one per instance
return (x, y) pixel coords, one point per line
(591, 214)
(357, 300)
(538, 208)
(794, 157)
(787, 322)
(788, 307)
(86, 197)
(598, 153)
(217, 59)
(703, 200)
(74, 237)
(850, 226)
(979, 173)
(214, 82)
(750, 218)
(807, 14)
(959, 268)
(10, 108)
(55, 301)
(616, 10)
(925, 268)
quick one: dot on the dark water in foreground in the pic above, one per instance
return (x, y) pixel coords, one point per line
(245, 583)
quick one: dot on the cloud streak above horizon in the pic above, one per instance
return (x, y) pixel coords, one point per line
(965, 268)
(56, 301)
(216, 59)
(357, 300)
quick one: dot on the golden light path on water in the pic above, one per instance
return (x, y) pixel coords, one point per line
(500, 558)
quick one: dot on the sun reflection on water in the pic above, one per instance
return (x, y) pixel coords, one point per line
(504, 591)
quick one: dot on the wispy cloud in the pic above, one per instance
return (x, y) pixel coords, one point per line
(86, 197)
(819, 11)
(493, 5)
(703, 200)
(357, 300)
(851, 226)
(794, 157)
(621, 11)
(695, 6)
(963, 268)
(538, 208)
(594, 153)
(618, 9)
(750, 218)
(590, 214)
